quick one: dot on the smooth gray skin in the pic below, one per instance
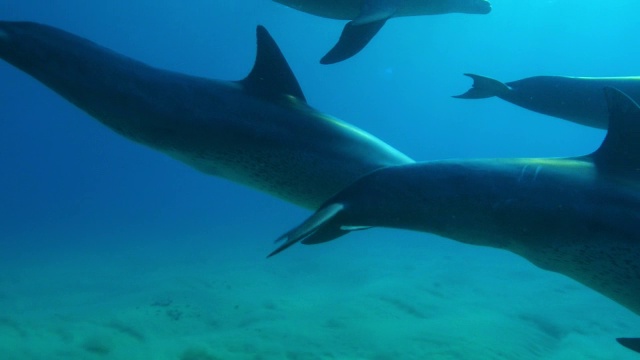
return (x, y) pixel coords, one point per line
(369, 16)
(576, 99)
(576, 216)
(352, 9)
(259, 132)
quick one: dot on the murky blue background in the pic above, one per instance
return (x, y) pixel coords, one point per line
(68, 185)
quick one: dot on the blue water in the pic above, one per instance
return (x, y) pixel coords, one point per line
(99, 234)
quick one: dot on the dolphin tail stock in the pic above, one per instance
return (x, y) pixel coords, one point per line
(632, 344)
(354, 38)
(484, 87)
(316, 229)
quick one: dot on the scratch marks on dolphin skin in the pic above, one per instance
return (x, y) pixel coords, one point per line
(534, 175)
(524, 169)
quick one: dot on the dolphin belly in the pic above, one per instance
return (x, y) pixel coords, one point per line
(331, 9)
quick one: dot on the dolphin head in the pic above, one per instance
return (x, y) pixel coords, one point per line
(17, 41)
(5, 37)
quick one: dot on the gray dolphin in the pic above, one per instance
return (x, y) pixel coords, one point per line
(259, 131)
(368, 16)
(576, 216)
(577, 99)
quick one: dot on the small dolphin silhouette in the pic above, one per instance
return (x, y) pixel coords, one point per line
(576, 99)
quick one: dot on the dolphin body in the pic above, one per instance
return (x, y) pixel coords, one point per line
(576, 99)
(259, 131)
(368, 16)
(576, 216)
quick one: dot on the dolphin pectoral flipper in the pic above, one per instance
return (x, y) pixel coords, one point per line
(353, 39)
(484, 87)
(358, 32)
(632, 344)
(314, 230)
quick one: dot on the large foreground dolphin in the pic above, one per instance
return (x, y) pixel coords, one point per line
(576, 216)
(368, 16)
(577, 99)
(258, 131)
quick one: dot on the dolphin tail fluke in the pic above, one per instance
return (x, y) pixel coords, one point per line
(353, 39)
(632, 344)
(316, 229)
(484, 87)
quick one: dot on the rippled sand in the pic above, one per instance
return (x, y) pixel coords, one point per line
(373, 295)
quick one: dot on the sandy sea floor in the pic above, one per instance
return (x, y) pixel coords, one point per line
(379, 294)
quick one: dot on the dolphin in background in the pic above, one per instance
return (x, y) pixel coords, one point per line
(575, 216)
(576, 99)
(368, 16)
(258, 131)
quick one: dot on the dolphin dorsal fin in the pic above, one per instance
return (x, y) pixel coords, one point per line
(271, 76)
(620, 150)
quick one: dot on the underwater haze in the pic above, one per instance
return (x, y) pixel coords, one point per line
(111, 250)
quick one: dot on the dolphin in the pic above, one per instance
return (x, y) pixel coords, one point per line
(258, 131)
(576, 99)
(368, 16)
(576, 216)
